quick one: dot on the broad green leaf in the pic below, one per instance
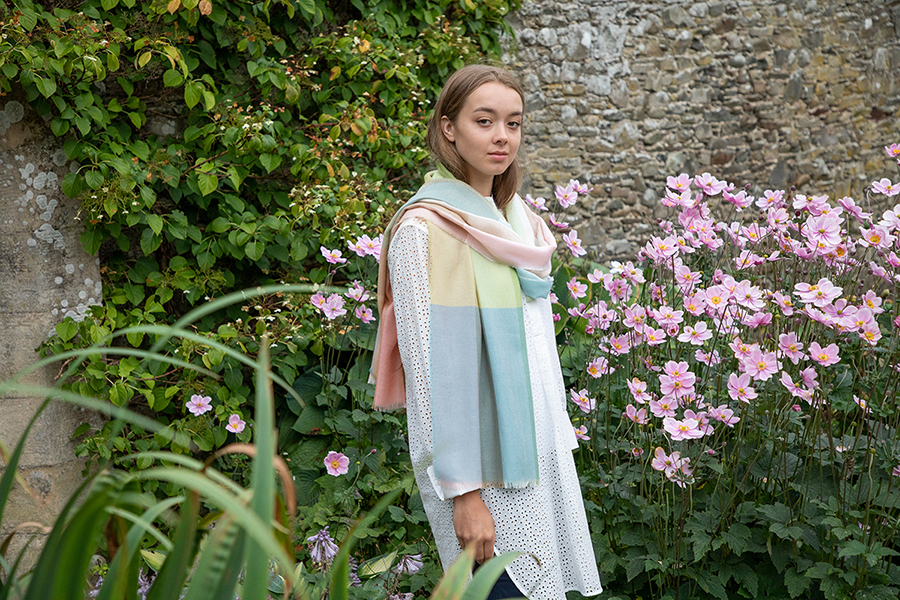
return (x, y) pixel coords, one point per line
(377, 565)
(66, 330)
(59, 127)
(255, 249)
(172, 78)
(94, 179)
(207, 183)
(193, 93)
(155, 222)
(28, 18)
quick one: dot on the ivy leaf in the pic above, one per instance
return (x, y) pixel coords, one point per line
(94, 179)
(91, 240)
(193, 92)
(149, 241)
(45, 85)
(155, 222)
(72, 185)
(28, 19)
(59, 126)
(209, 100)
(270, 161)
(172, 78)
(307, 6)
(207, 183)
(254, 250)
(67, 330)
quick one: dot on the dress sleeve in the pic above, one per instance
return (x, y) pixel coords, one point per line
(409, 271)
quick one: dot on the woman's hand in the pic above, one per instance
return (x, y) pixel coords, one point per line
(474, 525)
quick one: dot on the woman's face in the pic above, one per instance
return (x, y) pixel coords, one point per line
(487, 132)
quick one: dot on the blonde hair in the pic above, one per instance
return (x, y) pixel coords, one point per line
(449, 103)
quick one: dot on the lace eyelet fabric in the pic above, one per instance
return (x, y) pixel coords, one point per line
(547, 520)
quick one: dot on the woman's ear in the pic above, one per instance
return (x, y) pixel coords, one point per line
(447, 129)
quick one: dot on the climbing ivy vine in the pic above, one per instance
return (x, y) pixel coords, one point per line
(219, 145)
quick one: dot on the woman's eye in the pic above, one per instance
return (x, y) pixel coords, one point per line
(514, 124)
(484, 121)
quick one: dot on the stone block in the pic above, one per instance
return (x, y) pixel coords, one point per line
(50, 489)
(598, 84)
(619, 94)
(547, 37)
(49, 441)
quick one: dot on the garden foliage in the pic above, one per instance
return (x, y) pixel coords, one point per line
(217, 540)
(735, 388)
(219, 146)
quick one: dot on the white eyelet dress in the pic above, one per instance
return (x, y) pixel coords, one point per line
(546, 520)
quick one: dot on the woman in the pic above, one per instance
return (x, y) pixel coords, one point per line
(466, 344)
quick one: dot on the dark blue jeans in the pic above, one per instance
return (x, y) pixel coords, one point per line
(504, 588)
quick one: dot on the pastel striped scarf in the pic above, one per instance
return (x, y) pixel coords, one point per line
(481, 405)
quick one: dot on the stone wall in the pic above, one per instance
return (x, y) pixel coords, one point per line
(45, 275)
(774, 93)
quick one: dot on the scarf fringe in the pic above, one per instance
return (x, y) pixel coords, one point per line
(391, 407)
(455, 486)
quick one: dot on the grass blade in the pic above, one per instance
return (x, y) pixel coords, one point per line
(487, 574)
(124, 566)
(69, 546)
(453, 583)
(171, 577)
(262, 470)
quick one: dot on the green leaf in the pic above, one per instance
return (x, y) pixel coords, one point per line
(209, 100)
(149, 241)
(255, 250)
(487, 574)
(852, 548)
(379, 564)
(270, 161)
(28, 18)
(311, 419)
(59, 127)
(172, 78)
(737, 537)
(108, 4)
(67, 329)
(72, 185)
(45, 85)
(711, 584)
(91, 239)
(796, 584)
(155, 222)
(170, 578)
(94, 179)
(256, 573)
(193, 93)
(112, 61)
(207, 183)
